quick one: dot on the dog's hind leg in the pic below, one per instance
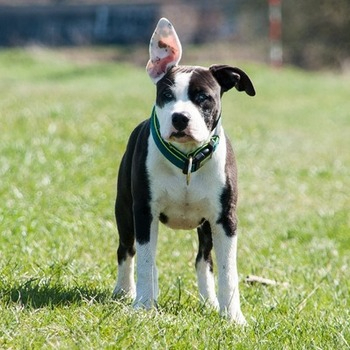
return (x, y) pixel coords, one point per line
(204, 266)
(125, 220)
(126, 251)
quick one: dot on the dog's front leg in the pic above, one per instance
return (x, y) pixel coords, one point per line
(147, 274)
(228, 293)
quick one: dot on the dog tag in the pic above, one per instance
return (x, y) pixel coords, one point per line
(189, 169)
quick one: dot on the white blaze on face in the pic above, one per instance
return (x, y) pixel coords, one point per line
(196, 129)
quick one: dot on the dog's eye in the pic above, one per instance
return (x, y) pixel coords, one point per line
(201, 97)
(167, 95)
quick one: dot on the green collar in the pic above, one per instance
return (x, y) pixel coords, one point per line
(188, 163)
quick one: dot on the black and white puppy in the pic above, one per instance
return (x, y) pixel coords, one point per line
(179, 169)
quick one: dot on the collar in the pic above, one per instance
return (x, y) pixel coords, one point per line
(188, 163)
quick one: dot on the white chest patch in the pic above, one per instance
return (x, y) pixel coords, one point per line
(182, 206)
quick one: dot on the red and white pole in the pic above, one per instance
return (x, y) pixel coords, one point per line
(275, 32)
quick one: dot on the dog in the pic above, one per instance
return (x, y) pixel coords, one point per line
(179, 169)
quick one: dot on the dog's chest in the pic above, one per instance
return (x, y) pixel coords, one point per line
(182, 206)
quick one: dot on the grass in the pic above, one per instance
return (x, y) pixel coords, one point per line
(64, 126)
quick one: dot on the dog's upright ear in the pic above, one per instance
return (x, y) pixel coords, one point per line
(164, 50)
(229, 77)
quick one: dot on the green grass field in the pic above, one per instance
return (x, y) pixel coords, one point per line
(63, 129)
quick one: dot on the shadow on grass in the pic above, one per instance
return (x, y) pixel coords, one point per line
(36, 293)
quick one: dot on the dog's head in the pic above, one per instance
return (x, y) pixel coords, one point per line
(188, 100)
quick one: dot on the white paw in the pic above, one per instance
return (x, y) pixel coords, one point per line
(234, 316)
(210, 303)
(124, 293)
(239, 319)
(145, 304)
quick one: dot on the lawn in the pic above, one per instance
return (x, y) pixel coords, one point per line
(64, 124)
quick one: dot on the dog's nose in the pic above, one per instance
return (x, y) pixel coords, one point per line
(180, 120)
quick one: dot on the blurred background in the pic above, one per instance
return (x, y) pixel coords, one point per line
(313, 34)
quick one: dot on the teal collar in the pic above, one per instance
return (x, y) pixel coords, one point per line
(188, 163)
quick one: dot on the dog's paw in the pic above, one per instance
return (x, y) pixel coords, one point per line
(234, 316)
(239, 319)
(210, 303)
(145, 304)
(121, 293)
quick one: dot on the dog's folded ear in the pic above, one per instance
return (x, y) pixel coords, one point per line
(164, 49)
(229, 77)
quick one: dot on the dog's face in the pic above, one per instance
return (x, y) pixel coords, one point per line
(188, 104)
(188, 101)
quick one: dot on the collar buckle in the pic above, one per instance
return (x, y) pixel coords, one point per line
(201, 156)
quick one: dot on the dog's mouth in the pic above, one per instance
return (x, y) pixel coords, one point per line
(178, 134)
(181, 137)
